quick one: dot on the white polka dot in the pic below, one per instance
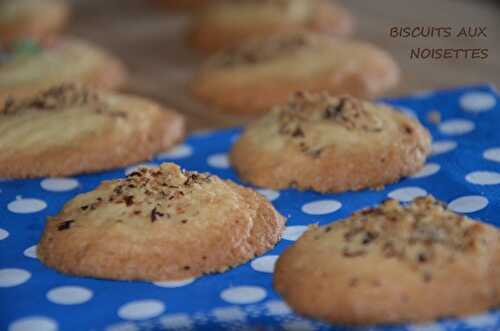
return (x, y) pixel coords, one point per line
(3, 234)
(178, 152)
(468, 204)
(298, 326)
(26, 206)
(477, 102)
(407, 111)
(229, 314)
(270, 195)
(30, 252)
(131, 169)
(443, 146)
(277, 308)
(456, 127)
(59, 184)
(175, 283)
(321, 207)
(177, 321)
(492, 154)
(13, 277)
(426, 327)
(428, 170)
(219, 161)
(480, 321)
(243, 294)
(264, 263)
(69, 295)
(407, 194)
(141, 310)
(483, 178)
(34, 323)
(294, 232)
(123, 326)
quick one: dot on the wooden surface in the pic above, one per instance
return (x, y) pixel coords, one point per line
(150, 42)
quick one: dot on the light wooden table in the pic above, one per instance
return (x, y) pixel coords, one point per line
(150, 42)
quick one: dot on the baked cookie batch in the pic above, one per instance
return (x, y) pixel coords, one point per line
(289, 62)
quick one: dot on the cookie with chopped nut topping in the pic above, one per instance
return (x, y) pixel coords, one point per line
(70, 129)
(228, 23)
(330, 144)
(391, 264)
(24, 72)
(31, 19)
(160, 224)
(262, 73)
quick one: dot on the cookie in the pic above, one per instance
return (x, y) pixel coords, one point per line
(393, 264)
(160, 224)
(25, 72)
(68, 130)
(31, 19)
(228, 23)
(330, 144)
(254, 77)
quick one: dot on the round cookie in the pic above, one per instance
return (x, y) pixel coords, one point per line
(393, 264)
(262, 73)
(31, 19)
(69, 130)
(330, 144)
(160, 224)
(228, 23)
(24, 73)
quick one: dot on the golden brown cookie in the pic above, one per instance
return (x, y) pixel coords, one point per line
(31, 19)
(68, 130)
(330, 144)
(393, 264)
(254, 77)
(229, 23)
(160, 224)
(71, 60)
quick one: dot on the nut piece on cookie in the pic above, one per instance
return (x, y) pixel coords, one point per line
(262, 73)
(330, 144)
(70, 129)
(391, 264)
(37, 20)
(160, 224)
(68, 60)
(228, 23)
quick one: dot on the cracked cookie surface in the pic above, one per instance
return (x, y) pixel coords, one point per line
(261, 73)
(160, 224)
(393, 263)
(70, 129)
(330, 144)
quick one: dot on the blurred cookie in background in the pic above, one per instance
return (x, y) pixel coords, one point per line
(70, 129)
(262, 73)
(27, 67)
(229, 23)
(31, 19)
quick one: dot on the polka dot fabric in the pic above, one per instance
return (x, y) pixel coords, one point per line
(464, 170)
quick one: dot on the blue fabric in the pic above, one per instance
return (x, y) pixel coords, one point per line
(468, 172)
